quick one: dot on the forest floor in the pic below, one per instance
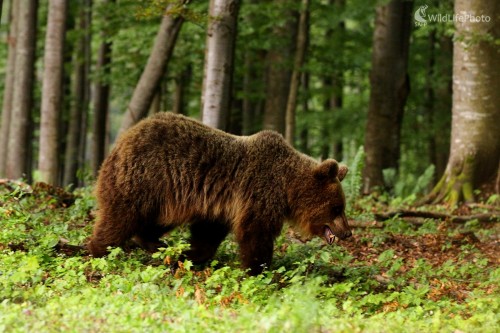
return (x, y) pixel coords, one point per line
(403, 274)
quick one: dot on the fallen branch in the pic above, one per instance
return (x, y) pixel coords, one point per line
(63, 246)
(438, 216)
(373, 224)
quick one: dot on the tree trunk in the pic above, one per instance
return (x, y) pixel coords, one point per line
(442, 105)
(437, 104)
(389, 90)
(82, 147)
(218, 70)
(155, 68)
(430, 97)
(475, 133)
(101, 103)
(22, 97)
(180, 90)
(69, 48)
(156, 103)
(52, 92)
(9, 86)
(80, 103)
(248, 110)
(304, 133)
(253, 81)
(300, 52)
(333, 85)
(279, 73)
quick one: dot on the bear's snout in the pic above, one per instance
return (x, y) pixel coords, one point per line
(345, 234)
(341, 227)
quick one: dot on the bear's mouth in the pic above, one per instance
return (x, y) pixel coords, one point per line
(329, 236)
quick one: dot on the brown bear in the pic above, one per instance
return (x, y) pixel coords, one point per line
(170, 170)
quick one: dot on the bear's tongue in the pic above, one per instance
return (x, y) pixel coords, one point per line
(329, 236)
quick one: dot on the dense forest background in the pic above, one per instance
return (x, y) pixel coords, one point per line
(406, 93)
(375, 84)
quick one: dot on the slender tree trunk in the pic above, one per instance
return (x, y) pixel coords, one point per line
(80, 99)
(253, 80)
(441, 117)
(9, 87)
(101, 103)
(22, 97)
(475, 133)
(389, 90)
(218, 70)
(253, 89)
(300, 53)
(156, 103)
(334, 86)
(69, 48)
(438, 101)
(430, 96)
(279, 73)
(304, 133)
(247, 106)
(181, 89)
(82, 147)
(153, 72)
(52, 92)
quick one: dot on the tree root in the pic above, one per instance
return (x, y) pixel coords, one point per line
(494, 217)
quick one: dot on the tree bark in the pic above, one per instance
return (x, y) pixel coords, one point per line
(475, 133)
(300, 53)
(101, 103)
(333, 84)
(248, 110)
(155, 68)
(52, 92)
(79, 108)
(304, 134)
(253, 81)
(9, 87)
(279, 73)
(389, 90)
(437, 104)
(441, 117)
(180, 90)
(218, 70)
(22, 97)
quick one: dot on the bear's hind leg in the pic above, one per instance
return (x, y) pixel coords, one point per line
(206, 236)
(149, 237)
(111, 230)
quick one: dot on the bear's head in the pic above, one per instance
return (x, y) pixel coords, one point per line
(320, 202)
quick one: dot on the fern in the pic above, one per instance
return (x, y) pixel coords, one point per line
(354, 180)
(424, 180)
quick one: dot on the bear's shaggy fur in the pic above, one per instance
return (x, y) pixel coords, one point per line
(170, 170)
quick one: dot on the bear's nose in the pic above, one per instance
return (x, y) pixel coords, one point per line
(346, 234)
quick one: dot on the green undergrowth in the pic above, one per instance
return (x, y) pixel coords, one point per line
(396, 279)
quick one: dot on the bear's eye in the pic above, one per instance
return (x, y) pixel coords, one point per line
(337, 210)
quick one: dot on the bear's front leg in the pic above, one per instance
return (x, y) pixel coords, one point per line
(206, 236)
(256, 251)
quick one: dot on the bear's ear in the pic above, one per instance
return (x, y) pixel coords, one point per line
(326, 170)
(342, 172)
